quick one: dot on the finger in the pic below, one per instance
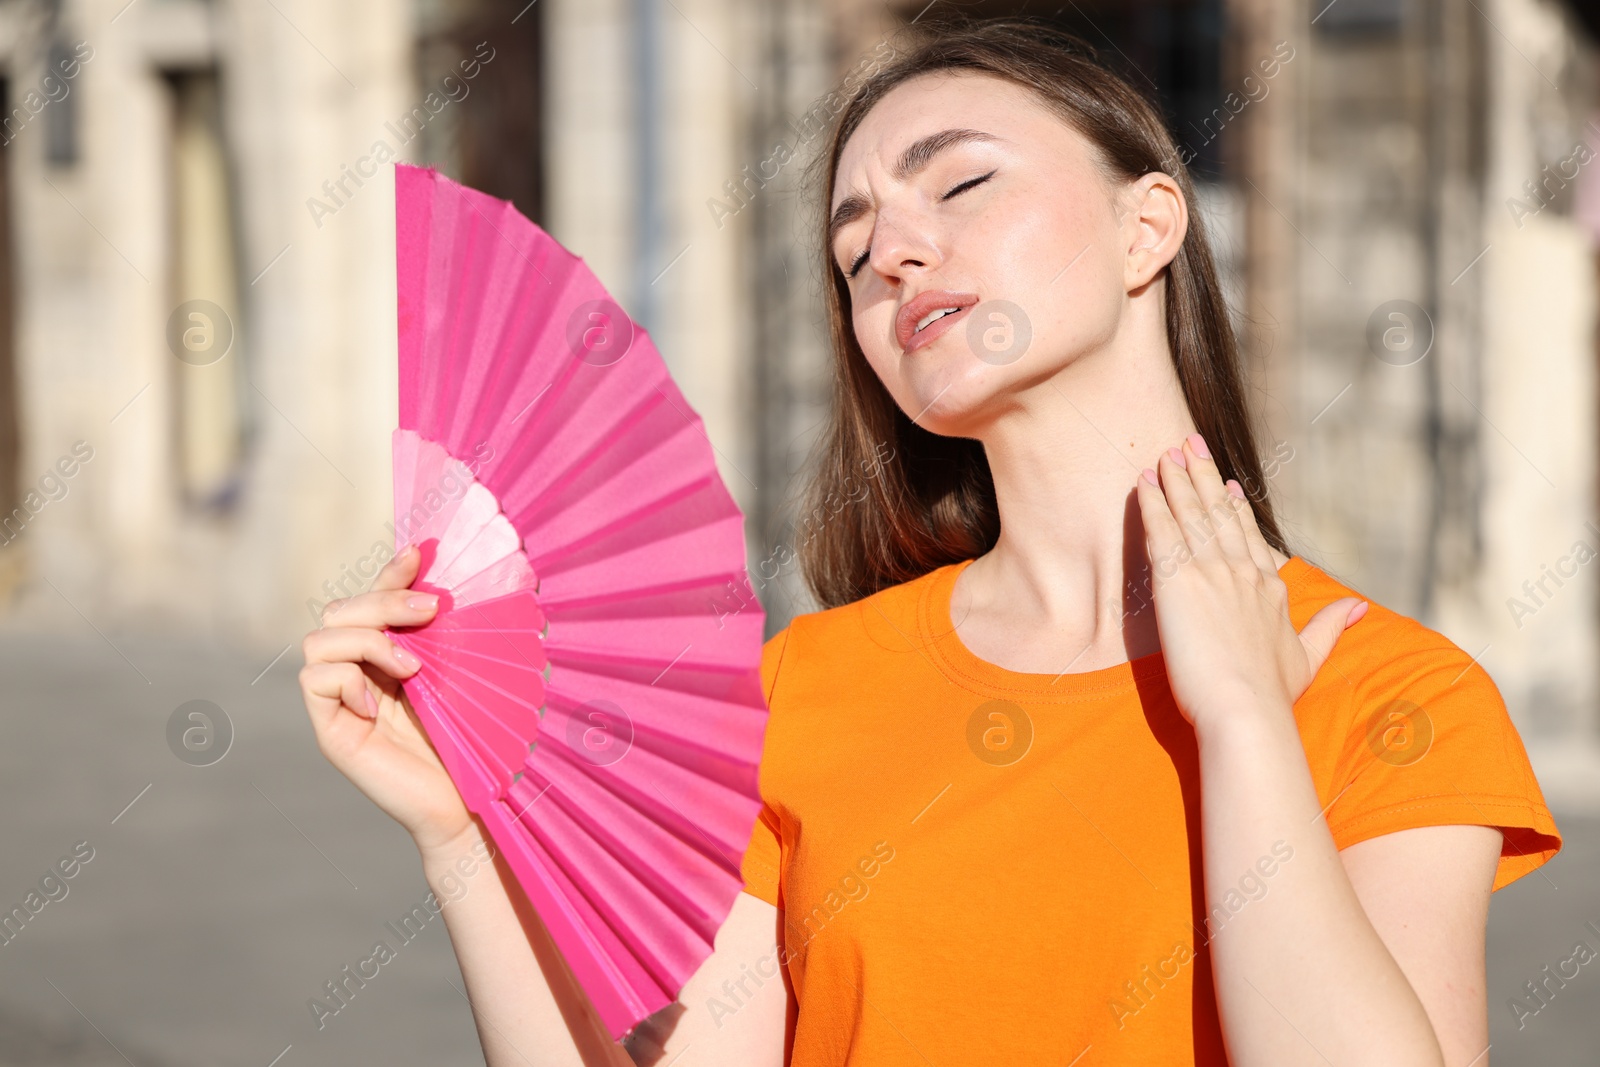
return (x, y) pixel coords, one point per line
(1259, 552)
(400, 571)
(1322, 632)
(381, 608)
(1163, 539)
(348, 644)
(328, 687)
(1184, 503)
(1222, 520)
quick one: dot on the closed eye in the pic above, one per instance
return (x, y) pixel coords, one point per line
(860, 261)
(964, 186)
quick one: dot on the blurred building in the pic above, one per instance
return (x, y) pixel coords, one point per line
(197, 296)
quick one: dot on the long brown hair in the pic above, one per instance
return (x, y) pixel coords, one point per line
(929, 500)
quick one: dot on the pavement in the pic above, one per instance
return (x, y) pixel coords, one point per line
(1539, 921)
(209, 904)
(219, 899)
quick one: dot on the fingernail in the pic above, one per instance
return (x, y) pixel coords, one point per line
(1235, 489)
(1355, 614)
(406, 659)
(1150, 476)
(1177, 457)
(1198, 445)
(422, 602)
(372, 703)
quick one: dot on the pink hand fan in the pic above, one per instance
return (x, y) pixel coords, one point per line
(592, 679)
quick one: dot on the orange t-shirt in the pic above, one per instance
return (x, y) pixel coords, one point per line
(978, 865)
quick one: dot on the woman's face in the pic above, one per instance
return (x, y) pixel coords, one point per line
(984, 249)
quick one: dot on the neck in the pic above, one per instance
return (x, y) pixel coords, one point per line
(1065, 459)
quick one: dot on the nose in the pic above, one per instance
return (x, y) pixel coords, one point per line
(903, 247)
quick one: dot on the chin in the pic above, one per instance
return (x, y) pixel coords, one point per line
(950, 408)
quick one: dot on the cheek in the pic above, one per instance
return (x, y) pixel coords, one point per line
(1026, 232)
(874, 330)
(1041, 244)
(1042, 251)
(1063, 267)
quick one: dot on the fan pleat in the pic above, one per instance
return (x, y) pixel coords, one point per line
(412, 239)
(676, 872)
(585, 584)
(651, 675)
(717, 759)
(512, 385)
(437, 485)
(686, 798)
(511, 574)
(719, 594)
(502, 675)
(489, 301)
(651, 451)
(518, 614)
(558, 491)
(691, 640)
(488, 264)
(655, 934)
(467, 765)
(437, 262)
(481, 535)
(533, 414)
(495, 724)
(591, 679)
(517, 617)
(597, 955)
(653, 538)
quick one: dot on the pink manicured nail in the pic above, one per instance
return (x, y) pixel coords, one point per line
(1235, 489)
(405, 658)
(1198, 445)
(422, 602)
(1355, 614)
(372, 703)
(1150, 476)
(1177, 457)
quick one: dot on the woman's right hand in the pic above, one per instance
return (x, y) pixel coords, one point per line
(363, 721)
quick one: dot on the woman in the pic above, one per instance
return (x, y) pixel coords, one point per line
(1078, 762)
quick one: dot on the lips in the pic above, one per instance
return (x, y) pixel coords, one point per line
(936, 312)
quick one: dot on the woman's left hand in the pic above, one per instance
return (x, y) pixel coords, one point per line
(1222, 611)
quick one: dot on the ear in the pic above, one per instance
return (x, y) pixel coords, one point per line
(1155, 220)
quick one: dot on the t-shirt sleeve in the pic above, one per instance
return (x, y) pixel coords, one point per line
(763, 857)
(1432, 744)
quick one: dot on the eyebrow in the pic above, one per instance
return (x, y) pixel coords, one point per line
(912, 161)
(921, 154)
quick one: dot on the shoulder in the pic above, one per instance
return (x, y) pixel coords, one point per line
(1404, 729)
(1385, 649)
(848, 638)
(819, 674)
(1394, 688)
